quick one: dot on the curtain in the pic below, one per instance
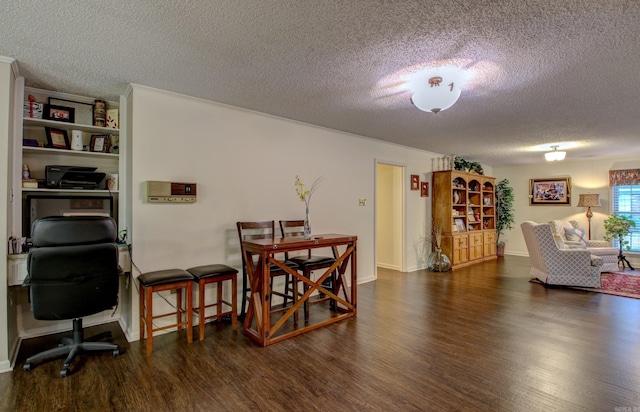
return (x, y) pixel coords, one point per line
(627, 177)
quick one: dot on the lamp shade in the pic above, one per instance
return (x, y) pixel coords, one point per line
(589, 200)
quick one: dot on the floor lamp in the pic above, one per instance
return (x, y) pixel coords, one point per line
(588, 201)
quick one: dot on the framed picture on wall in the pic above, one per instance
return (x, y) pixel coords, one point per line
(424, 189)
(551, 191)
(415, 182)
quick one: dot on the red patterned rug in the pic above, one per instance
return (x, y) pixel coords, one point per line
(625, 284)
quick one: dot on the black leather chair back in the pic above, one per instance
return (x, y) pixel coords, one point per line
(73, 266)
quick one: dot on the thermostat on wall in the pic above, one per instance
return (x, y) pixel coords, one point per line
(170, 192)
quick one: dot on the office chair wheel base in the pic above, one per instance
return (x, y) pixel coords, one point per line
(64, 373)
(116, 352)
(27, 366)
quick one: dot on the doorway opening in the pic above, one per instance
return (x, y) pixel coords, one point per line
(390, 216)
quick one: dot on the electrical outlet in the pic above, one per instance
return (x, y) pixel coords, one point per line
(363, 202)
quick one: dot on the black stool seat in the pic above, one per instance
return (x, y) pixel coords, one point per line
(313, 260)
(211, 271)
(163, 277)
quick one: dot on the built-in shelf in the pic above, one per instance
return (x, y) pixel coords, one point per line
(27, 121)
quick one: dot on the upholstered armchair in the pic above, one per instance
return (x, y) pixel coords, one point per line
(569, 235)
(554, 266)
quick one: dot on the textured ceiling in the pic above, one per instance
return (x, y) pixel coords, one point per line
(540, 72)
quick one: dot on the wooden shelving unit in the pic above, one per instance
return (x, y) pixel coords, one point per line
(464, 204)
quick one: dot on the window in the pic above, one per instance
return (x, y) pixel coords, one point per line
(626, 201)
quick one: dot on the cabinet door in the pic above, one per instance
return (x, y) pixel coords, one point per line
(489, 244)
(460, 249)
(475, 246)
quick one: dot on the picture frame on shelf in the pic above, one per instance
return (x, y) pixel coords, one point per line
(460, 225)
(57, 138)
(550, 191)
(415, 182)
(99, 143)
(83, 112)
(424, 189)
(59, 113)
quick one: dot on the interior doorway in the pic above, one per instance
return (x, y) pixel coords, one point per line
(390, 216)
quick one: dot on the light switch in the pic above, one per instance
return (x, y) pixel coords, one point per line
(363, 202)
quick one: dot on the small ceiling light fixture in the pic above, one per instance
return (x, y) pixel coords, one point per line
(555, 154)
(435, 97)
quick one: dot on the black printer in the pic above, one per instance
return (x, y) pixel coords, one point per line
(73, 177)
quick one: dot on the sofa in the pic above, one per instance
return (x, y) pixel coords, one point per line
(552, 265)
(568, 235)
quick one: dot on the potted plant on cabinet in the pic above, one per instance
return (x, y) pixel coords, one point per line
(504, 212)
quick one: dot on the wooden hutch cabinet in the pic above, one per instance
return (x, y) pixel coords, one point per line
(464, 204)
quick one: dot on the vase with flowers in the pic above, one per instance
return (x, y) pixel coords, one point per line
(305, 196)
(438, 261)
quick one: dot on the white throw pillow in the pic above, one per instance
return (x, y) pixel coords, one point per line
(575, 235)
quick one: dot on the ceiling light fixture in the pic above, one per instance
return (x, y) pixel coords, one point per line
(554, 154)
(436, 97)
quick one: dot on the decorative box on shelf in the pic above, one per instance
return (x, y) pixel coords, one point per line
(33, 110)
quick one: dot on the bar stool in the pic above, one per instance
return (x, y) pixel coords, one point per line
(217, 273)
(158, 281)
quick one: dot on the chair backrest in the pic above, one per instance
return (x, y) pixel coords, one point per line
(253, 231)
(73, 266)
(293, 228)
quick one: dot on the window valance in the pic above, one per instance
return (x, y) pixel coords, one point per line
(626, 177)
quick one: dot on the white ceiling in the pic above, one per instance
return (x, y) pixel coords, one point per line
(543, 72)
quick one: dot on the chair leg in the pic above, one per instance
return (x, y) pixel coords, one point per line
(234, 303)
(189, 312)
(201, 309)
(149, 318)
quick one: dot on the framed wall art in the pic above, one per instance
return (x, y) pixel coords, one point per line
(424, 189)
(415, 182)
(57, 139)
(551, 191)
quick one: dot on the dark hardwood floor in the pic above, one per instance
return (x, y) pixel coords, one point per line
(479, 339)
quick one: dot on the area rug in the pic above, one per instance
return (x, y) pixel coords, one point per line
(625, 284)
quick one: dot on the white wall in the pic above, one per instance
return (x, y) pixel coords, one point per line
(245, 164)
(587, 176)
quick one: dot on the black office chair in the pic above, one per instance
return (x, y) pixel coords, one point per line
(73, 272)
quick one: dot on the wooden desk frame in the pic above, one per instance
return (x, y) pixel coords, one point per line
(260, 279)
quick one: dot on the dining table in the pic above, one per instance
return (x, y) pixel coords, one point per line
(260, 254)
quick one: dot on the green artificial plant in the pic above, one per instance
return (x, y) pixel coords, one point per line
(505, 217)
(618, 227)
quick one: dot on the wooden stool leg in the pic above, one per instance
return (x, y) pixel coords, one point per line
(201, 308)
(142, 310)
(179, 308)
(219, 301)
(189, 299)
(234, 303)
(149, 318)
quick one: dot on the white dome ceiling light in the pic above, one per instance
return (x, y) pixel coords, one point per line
(438, 94)
(554, 154)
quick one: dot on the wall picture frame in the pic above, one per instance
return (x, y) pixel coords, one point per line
(57, 138)
(550, 191)
(59, 113)
(415, 182)
(424, 189)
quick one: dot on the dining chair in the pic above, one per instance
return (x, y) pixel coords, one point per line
(266, 230)
(308, 262)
